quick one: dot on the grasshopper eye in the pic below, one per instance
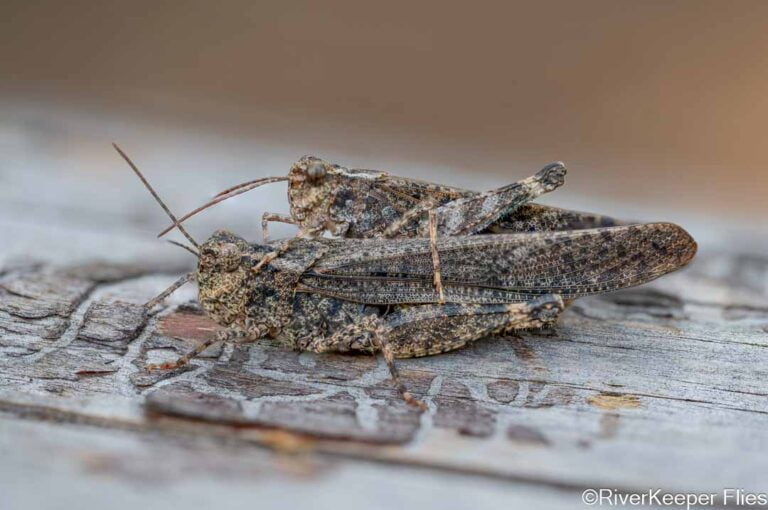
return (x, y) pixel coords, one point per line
(316, 171)
(229, 250)
(224, 256)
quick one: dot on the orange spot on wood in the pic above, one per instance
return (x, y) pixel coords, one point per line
(188, 326)
(287, 442)
(614, 401)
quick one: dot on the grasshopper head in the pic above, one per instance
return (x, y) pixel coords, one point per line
(223, 252)
(224, 276)
(310, 170)
(312, 188)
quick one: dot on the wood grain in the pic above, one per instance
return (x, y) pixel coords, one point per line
(660, 386)
(648, 387)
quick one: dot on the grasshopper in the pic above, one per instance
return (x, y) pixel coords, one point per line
(357, 203)
(330, 199)
(377, 295)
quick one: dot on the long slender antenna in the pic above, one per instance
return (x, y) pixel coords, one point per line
(155, 195)
(224, 195)
(244, 184)
(184, 246)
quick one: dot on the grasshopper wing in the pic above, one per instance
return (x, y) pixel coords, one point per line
(500, 268)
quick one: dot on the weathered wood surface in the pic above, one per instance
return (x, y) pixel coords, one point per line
(661, 386)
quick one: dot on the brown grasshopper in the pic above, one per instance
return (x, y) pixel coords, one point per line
(330, 199)
(377, 295)
(357, 203)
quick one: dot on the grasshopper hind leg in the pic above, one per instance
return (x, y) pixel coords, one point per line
(368, 334)
(423, 330)
(380, 340)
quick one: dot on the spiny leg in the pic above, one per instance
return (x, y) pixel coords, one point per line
(473, 214)
(342, 339)
(267, 217)
(438, 282)
(380, 341)
(394, 229)
(423, 330)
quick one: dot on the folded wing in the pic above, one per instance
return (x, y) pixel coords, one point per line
(500, 268)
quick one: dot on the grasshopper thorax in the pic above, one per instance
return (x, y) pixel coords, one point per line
(328, 198)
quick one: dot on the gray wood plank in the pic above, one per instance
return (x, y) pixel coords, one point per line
(642, 388)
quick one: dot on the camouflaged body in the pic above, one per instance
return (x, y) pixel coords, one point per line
(358, 203)
(319, 287)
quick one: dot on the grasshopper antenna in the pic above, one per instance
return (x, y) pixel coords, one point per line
(224, 195)
(254, 183)
(154, 194)
(185, 247)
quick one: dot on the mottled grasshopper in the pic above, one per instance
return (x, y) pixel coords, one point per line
(357, 203)
(377, 295)
(354, 203)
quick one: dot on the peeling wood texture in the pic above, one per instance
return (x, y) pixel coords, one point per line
(661, 386)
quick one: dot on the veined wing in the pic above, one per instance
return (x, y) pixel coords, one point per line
(500, 268)
(543, 218)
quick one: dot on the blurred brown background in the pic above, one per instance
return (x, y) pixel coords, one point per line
(657, 106)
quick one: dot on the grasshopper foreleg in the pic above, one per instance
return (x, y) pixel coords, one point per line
(276, 217)
(283, 247)
(269, 257)
(408, 216)
(221, 336)
(233, 334)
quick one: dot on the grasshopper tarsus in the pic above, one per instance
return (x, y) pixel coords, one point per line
(413, 401)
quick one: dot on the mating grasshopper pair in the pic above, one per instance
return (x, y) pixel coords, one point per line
(380, 295)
